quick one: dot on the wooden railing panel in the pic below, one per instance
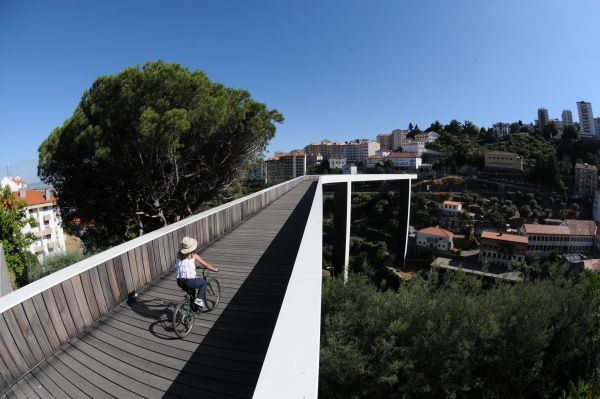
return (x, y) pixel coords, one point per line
(114, 282)
(98, 290)
(150, 273)
(10, 352)
(90, 296)
(72, 305)
(47, 338)
(122, 263)
(59, 321)
(82, 302)
(58, 296)
(109, 298)
(26, 332)
(5, 376)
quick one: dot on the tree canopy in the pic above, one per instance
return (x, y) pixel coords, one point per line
(149, 146)
(457, 337)
(14, 242)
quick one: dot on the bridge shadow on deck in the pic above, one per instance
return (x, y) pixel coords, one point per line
(248, 319)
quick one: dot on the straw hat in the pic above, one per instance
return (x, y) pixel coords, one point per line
(187, 245)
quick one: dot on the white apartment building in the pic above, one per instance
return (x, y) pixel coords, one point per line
(403, 160)
(502, 129)
(586, 120)
(354, 151)
(413, 146)
(427, 137)
(49, 236)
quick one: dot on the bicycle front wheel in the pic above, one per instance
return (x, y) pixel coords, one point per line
(183, 318)
(213, 293)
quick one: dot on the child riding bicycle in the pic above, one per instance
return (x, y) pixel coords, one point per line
(186, 269)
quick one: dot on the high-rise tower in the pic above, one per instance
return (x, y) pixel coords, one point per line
(542, 117)
(586, 119)
(567, 117)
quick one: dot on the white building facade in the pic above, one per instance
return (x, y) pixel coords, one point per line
(501, 129)
(427, 137)
(402, 160)
(49, 236)
(435, 238)
(337, 162)
(13, 182)
(413, 146)
(354, 151)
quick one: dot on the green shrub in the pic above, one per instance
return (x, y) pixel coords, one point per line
(36, 271)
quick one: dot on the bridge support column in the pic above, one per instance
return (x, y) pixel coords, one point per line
(341, 228)
(403, 222)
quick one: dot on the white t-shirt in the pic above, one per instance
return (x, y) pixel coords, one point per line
(185, 268)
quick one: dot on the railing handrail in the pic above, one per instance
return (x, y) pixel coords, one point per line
(300, 376)
(38, 286)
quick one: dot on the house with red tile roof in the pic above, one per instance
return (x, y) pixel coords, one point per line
(452, 208)
(502, 248)
(49, 235)
(435, 238)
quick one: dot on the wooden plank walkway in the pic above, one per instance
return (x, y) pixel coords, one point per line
(133, 352)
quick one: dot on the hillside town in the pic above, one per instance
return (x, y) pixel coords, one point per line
(485, 209)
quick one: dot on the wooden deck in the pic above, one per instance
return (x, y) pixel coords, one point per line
(133, 352)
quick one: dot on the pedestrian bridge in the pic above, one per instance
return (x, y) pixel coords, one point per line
(101, 328)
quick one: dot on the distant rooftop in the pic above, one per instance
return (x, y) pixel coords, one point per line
(453, 203)
(436, 231)
(34, 197)
(492, 235)
(569, 227)
(585, 166)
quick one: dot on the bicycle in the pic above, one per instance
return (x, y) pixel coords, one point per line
(185, 311)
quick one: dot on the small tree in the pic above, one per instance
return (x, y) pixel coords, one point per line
(14, 241)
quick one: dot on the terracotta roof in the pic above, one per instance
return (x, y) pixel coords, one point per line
(546, 229)
(569, 227)
(581, 227)
(436, 231)
(403, 155)
(454, 203)
(492, 235)
(592, 264)
(502, 153)
(34, 197)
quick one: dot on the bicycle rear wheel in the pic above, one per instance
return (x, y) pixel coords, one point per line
(183, 318)
(213, 293)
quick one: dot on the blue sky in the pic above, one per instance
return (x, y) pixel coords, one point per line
(335, 69)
